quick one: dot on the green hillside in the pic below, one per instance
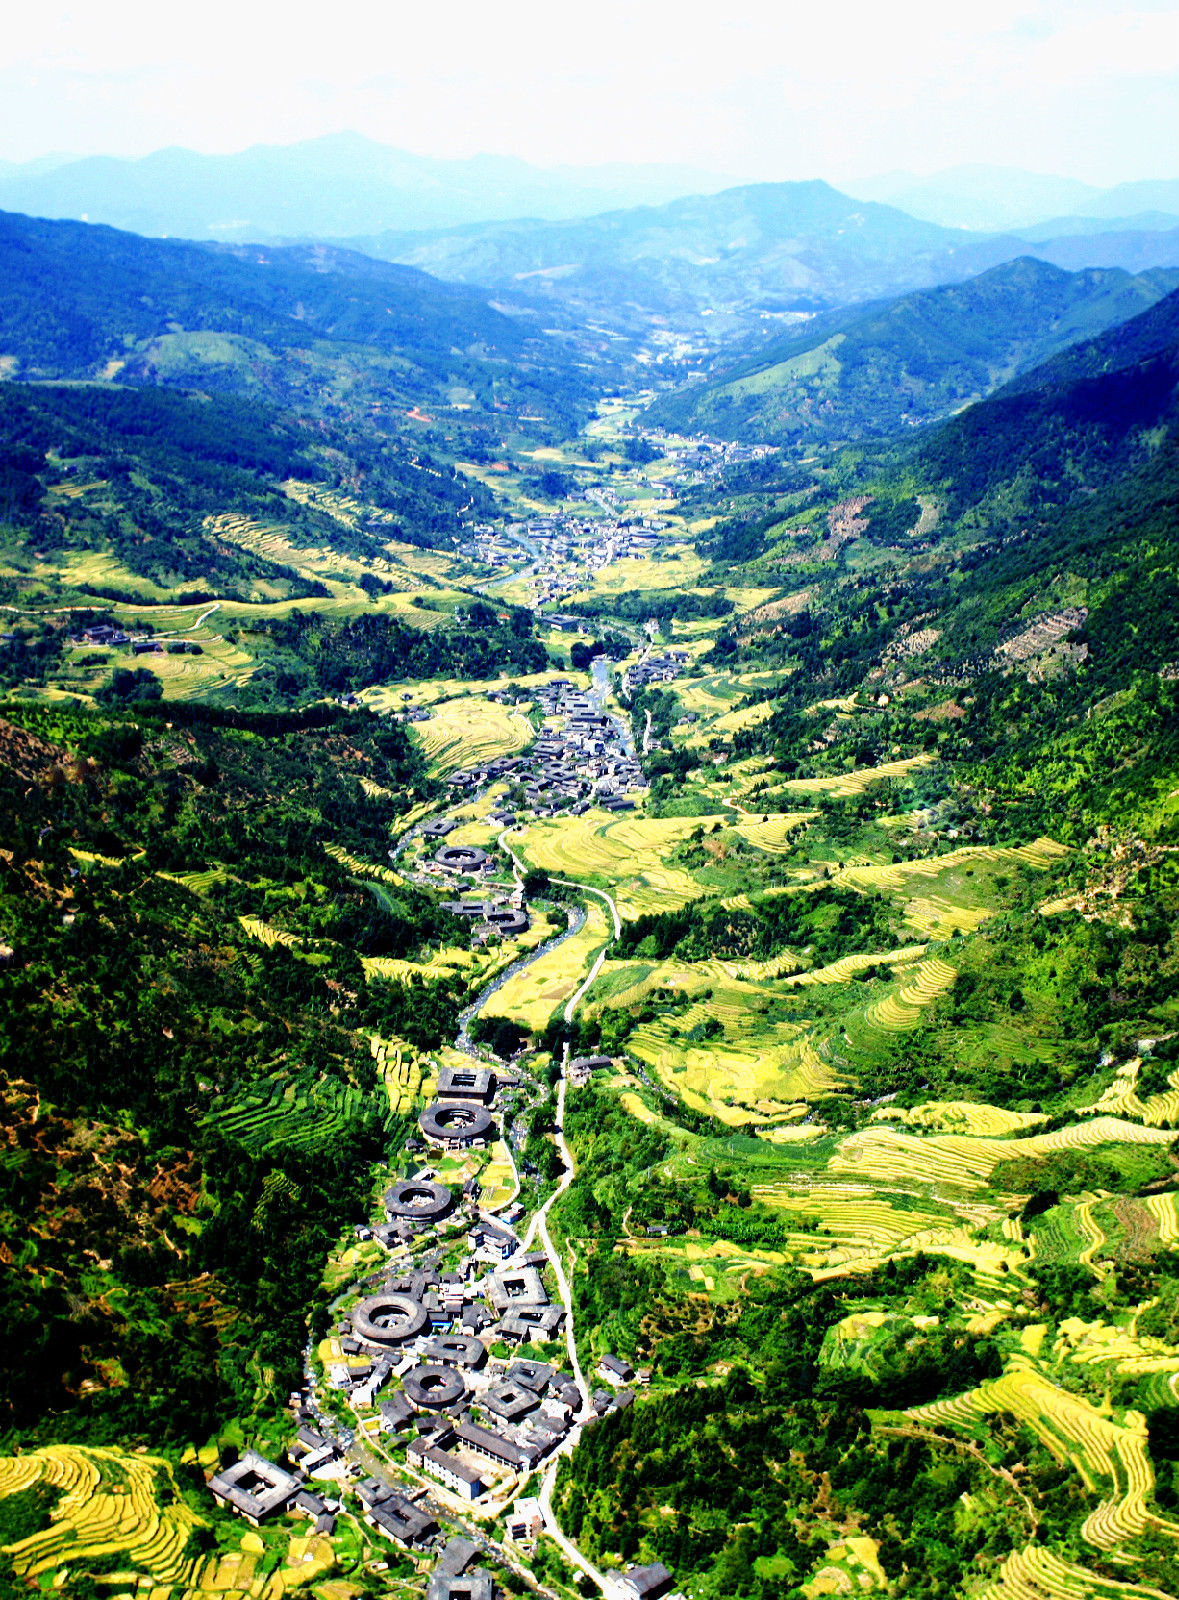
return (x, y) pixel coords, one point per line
(173, 1010)
(854, 375)
(963, 732)
(307, 326)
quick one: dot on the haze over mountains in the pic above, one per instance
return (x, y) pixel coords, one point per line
(746, 252)
(622, 248)
(339, 184)
(345, 183)
(996, 199)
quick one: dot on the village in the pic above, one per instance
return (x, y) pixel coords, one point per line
(441, 1392)
(449, 1380)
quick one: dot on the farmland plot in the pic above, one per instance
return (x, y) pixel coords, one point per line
(531, 996)
(625, 854)
(293, 1111)
(471, 730)
(112, 1504)
(1110, 1457)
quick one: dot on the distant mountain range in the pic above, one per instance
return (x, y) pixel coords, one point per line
(872, 372)
(775, 247)
(999, 199)
(345, 184)
(336, 185)
(743, 255)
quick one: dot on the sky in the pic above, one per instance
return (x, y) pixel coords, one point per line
(1087, 89)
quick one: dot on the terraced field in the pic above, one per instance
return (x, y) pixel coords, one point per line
(623, 577)
(442, 964)
(402, 1071)
(960, 1116)
(197, 882)
(888, 1155)
(845, 969)
(468, 731)
(1121, 1098)
(624, 854)
(476, 966)
(899, 876)
(735, 1080)
(713, 695)
(113, 1505)
(222, 666)
(266, 934)
(362, 869)
(335, 503)
(497, 1181)
(899, 1012)
(772, 833)
(853, 783)
(292, 1110)
(1036, 1573)
(1110, 1457)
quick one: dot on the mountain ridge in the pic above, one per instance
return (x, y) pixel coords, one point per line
(331, 185)
(868, 372)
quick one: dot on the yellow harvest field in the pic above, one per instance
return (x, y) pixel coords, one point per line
(265, 934)
(110, 1506)
(1036, 1573)
(853, 783)
(896, 1013)
(532, 995)
(960, 1116)
(401, 1071)
(1110, 1457)
(730, 1078)
(887, 1155)
(899, 874)
(465, 732)
(772, 833)
(626, 854)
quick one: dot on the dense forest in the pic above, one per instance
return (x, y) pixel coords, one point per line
(151, 1013)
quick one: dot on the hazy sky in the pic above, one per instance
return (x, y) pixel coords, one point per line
(1087, 88)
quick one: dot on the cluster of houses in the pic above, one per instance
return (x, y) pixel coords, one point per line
(579, 762)
(420, 1357)
(567, 550)
(655, 669)
(582, 761)
(697, 457)
(109, 636)
(492, 915)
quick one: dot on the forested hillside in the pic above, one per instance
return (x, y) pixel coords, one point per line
(304, 325)
(852, 374)
(181, 947)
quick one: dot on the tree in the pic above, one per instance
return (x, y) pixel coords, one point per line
(128, 684)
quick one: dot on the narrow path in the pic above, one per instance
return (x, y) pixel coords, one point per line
(593, 973)
(601, 894)
(647, 735)
(553, 1528)
(540, 1226)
